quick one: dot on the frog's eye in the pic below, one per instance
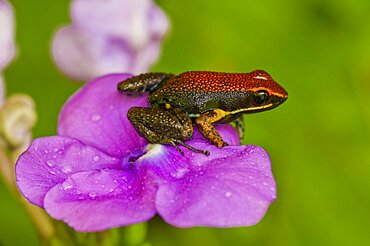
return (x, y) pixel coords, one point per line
(261, 97)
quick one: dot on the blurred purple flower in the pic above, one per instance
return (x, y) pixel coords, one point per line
(7, 43)
(109, 36)
(98, 173)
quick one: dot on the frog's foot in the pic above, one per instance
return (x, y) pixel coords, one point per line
(142, 83)
(204, 124)
(163, 127)
(175, 141)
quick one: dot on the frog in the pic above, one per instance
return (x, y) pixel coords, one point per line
(200, 98)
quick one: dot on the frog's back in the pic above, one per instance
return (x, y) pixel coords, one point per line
(207, 82)
(196, 92)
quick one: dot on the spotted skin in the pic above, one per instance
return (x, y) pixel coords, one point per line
(204, 123)
(174, 125)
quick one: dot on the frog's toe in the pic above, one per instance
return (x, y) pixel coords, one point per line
(224, 144)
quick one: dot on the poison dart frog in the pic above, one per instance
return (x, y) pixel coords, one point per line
(202, 98)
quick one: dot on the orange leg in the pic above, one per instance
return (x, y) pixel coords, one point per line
(204, 123)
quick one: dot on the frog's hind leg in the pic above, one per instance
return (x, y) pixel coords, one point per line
(162, 126)
(239, 125)
(142, 83)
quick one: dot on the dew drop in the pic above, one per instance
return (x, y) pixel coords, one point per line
(92, 195)
(52, 172)
(180, 173)
(50, 163)
(111, 190)
(95, 117)
(67, 169)
(67, 186)
(96, 158)
(228, 194)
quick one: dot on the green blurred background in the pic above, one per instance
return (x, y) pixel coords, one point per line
(318, 140)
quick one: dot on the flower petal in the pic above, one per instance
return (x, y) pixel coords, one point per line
(7, 46)
(83, 56)
(96, 115)
(50, 160)
(98, 200)
(133, 20)
(232, 187)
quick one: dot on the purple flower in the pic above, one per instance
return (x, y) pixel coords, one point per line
(109, 36)
(7, 46)
(98, 173)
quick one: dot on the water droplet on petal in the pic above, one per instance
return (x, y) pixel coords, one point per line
(67, 186)
(50, 163)
(52, 172)
(96, 158)
(95, 117)
(92, 195)
(228, 194)
(181, 172)
(67, 169)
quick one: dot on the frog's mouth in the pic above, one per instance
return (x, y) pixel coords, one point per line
(254, 109)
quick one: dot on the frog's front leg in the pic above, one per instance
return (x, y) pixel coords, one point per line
(163, 126)
(239, 125)
(143, 82)
(204, 123)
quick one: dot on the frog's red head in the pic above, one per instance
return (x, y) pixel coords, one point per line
(267, 94)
